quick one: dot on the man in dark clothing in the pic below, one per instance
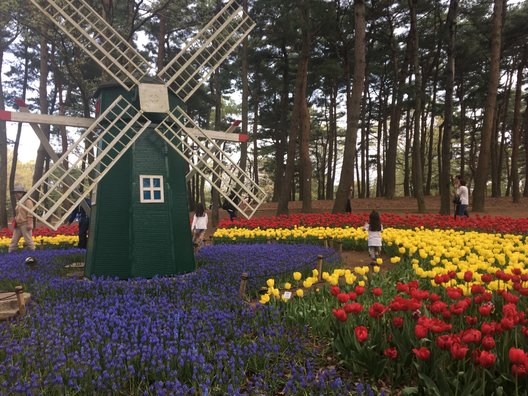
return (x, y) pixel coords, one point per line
(84, 223)
(229, 207)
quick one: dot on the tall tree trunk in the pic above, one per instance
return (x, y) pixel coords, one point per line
(525, 132)
(256, 116)
(299, 123)
(481, 174)
(44, 106)
(353, 108)
(245, 96)
(407, 154)
(445, 168)
(497, 142)
(3, 153)
(516, 133)
(305, 168)
(281, 132)
(461, 93)
(215, 195)
(399, 76)
(331, 136)
(416, 149)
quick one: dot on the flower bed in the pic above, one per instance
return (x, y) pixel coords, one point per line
(455, 298)
(181, 335)
(44, 242)
(68, 230)
(492, 224)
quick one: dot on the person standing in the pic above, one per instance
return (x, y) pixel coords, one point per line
(199, 226)
(84, 223)
(456, 199)
(229, 207)
(463, 194)
(374, 228)
(23, 222)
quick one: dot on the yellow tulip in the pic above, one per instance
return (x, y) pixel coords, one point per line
(264, 299)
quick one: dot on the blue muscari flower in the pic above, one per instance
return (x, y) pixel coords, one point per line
(138, 329)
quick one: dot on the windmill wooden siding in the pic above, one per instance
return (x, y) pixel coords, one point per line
(133, 239)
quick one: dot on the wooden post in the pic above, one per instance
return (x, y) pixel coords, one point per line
(340, 247)
(19, 290)
(268, 240)
(41, 244)
(326, 243)
(320, 268)
(243, 283)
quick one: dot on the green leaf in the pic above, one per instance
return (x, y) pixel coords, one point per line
(410, 390)
(429, 383)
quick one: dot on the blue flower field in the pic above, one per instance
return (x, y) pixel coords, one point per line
(182, 335)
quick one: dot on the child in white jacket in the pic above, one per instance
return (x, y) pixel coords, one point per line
(199, 225)
(374, 228)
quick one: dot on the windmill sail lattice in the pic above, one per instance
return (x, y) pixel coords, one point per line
(121, 124)
(86, 28)
(202, 55)
(206, 51)
(243, 193)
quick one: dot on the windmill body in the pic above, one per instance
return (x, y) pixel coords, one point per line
(139, 225)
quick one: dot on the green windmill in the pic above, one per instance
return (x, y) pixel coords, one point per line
(143, 142)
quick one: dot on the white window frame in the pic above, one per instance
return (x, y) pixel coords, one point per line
(152, 189)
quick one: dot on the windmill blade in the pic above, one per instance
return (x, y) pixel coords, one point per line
(207, 50)
(245, 195)
(118, 128)
(86, 28)
(216, 150)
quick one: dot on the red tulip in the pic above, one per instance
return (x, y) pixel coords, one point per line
(458, 351)
(343, 298)
(335, 290)
(488, 343)
(487, 359)
(353, 307)
(471, 336)
(359, 290)
(468, 276)
(376, 310)
(517, 356)
(488, 328)
(506, 324)
(485, 310)
(340, 314)
(397, 321)
(422, 353)
(420, 331)
(455, 293)
(391, 353)
(486, 278)
(519, 370)
(444, 342)
(361, 333)
(376, 291)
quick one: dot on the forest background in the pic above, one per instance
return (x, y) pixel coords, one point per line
(340, 98)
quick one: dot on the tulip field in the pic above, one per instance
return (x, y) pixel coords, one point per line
(444, 312)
